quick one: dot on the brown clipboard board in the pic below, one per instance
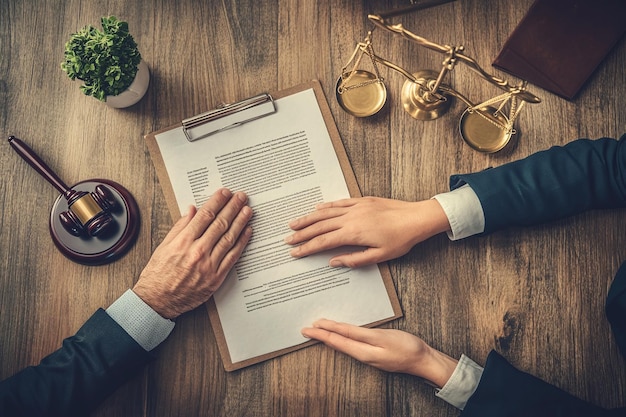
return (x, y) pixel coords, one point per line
(353, 188)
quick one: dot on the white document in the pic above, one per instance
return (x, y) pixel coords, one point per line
(286, 164)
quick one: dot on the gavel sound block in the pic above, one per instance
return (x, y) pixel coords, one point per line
(93, 222)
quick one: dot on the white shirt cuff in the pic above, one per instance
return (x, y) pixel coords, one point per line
(464, 212)
(462, 383)
(140, 321)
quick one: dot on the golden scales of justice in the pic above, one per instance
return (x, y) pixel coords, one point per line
(483, 126)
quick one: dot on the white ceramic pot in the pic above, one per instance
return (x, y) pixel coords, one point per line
(135, 91)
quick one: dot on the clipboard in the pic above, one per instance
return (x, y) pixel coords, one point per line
(249, 117)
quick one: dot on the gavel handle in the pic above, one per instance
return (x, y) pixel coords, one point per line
(38, 164)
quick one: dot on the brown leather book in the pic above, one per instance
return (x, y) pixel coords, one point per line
(559, 43)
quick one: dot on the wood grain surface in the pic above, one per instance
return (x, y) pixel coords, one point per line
(536, 295)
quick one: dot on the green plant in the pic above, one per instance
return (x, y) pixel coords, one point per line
(106, 61)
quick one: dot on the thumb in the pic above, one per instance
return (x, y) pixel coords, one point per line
(180, 225)
(365, 257)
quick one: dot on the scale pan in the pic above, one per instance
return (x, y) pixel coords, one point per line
(365, 100)
(482, 134)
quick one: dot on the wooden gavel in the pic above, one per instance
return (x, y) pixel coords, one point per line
(89, 212)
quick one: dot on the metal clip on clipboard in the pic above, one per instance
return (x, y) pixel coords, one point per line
(228, 116)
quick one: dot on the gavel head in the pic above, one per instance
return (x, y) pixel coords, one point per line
(89, 214)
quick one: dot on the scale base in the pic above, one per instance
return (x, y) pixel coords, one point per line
(103, 249)
(415, 99)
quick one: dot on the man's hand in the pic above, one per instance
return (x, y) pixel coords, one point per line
(196, 255)
(387, 349)
(386, 228)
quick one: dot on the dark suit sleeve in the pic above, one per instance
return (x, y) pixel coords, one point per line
(556, 183)
(76, 378)
(504, 391)
(616, 308)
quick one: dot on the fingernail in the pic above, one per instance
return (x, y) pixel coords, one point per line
(226, 192)
(242, 197)
(336, 264)
(289, 239)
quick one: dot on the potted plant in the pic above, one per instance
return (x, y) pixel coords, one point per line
(108, 62)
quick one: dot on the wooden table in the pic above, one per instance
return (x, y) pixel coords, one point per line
(536, 295)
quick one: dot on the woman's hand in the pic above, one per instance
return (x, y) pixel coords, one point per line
(386, 228)
(387, 349)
